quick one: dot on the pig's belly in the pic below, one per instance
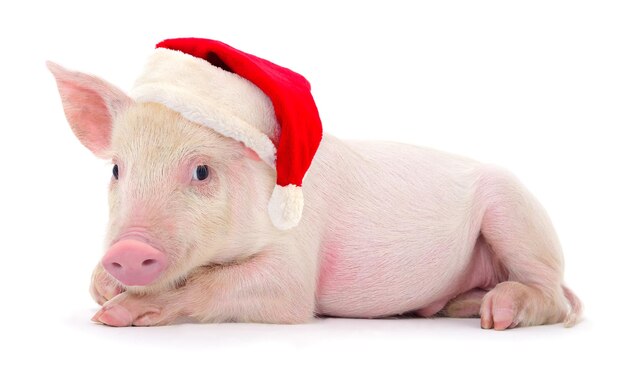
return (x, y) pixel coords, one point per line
(374, 282)
(402, 230)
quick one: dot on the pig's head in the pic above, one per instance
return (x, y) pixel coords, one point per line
(181, 195)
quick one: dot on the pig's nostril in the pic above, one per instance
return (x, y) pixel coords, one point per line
(116, 265)
(148, 262)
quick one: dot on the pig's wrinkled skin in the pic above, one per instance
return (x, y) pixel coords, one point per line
(387, 228)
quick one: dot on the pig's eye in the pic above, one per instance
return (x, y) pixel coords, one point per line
(116, 171)
(201, 173)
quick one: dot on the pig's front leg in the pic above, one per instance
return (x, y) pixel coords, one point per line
(103, 287)
(266, 288)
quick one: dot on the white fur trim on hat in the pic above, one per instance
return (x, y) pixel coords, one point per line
(285, 206)
(211, 96)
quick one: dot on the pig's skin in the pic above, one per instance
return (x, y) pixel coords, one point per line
(387, 228)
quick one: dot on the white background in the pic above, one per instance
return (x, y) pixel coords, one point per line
(536, 86)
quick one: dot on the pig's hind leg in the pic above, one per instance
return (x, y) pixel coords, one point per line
(523, 240)
(466, 305)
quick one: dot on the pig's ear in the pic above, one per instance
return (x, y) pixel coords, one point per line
(249, 153)
(90, 105)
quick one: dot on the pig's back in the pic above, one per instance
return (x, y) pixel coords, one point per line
(398, 224)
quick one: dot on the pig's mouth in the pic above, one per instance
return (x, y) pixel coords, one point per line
(134, 260)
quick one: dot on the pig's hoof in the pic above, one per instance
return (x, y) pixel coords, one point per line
(115, 316)
(503, 307)
(128, 310)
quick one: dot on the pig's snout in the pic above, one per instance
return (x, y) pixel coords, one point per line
(134, 263)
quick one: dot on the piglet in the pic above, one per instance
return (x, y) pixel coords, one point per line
(228, 204)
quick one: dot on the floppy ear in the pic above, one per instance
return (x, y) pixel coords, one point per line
(90, 105)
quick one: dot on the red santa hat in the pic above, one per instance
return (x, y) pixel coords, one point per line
(267, 107)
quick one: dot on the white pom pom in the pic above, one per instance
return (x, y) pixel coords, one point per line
(285, 206)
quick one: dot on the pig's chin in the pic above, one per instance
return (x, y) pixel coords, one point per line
(163, 283)
(172, 278)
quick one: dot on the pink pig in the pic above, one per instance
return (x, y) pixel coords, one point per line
(385, 229)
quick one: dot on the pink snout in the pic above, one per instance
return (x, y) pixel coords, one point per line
(134, 262)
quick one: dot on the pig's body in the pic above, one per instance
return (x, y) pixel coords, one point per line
(387, 228)
(397, 227)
